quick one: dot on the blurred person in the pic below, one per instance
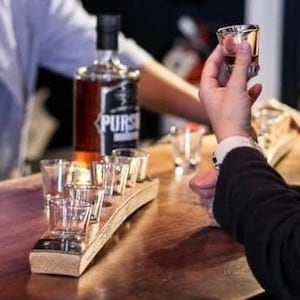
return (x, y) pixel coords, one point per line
(60, 36)
(249, 199)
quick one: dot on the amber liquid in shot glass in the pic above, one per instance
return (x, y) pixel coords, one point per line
(230, 37)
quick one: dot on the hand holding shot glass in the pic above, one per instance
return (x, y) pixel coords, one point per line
(230, 36)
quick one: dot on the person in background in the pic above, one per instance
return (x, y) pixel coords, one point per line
(249, 199)
(60, 36)
(181, 35)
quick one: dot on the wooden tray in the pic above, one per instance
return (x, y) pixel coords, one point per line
(50, 256)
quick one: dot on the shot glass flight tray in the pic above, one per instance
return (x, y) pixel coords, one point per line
(61, 257)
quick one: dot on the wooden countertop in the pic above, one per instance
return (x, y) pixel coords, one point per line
(166, 250)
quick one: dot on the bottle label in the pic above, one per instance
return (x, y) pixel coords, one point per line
(118, 123)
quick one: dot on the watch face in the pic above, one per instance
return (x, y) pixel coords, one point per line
(215, 162)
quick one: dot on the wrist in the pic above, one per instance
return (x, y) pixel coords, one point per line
(225, 133)
(228, 144)
(224, 137)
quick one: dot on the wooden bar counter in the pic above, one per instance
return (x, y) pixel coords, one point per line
(165, 250)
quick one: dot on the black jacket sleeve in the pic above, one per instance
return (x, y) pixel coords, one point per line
(255, 205)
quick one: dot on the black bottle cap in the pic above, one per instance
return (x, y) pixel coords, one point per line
(108, 27)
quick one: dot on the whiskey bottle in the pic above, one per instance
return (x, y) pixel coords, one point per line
(106, 113)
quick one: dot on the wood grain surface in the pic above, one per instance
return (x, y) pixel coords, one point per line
(166, 250)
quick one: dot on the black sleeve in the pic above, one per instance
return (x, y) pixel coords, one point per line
(255, 205)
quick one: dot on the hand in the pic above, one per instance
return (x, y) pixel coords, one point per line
(228, 106)
(204, 184)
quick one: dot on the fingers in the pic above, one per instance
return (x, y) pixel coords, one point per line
(210, 72)
(204, 184)
(205, 179)
(254, 92)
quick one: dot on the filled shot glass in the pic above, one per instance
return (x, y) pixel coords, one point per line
(230, 37)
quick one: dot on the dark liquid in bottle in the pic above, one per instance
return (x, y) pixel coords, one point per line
(101, 125)
(106, 112)
(88, 105)
(86, 139)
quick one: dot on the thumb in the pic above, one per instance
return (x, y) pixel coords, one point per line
(242, 62)
(204, 180)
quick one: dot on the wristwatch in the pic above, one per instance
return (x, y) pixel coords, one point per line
(230, 143)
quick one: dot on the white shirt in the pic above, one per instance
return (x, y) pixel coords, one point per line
(56, 34)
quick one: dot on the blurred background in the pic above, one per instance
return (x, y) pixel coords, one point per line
(180, 34)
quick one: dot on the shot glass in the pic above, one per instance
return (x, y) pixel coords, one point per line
(103, 175)
(69, 219)
(111, 173)
(133, 164)
(139, 165)
(143, 165)
(55, 174)
(230, 36)
(81, 174)
(186, 147)
(90, 193)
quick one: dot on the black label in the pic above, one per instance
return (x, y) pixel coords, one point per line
(118, 123)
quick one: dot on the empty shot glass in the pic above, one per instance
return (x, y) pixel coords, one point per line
(230, 36)
(122, 167)
(140, 164)
(90, 193)
(133, 164)
(110, 172)
(81, 174)
(69, 219)
(55, 174)
(143, 165)
(186, 147)
(103, 175)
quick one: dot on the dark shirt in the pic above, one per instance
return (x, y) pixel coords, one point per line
(260, 210)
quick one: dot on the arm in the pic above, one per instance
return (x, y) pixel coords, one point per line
(163, 91)
(68, 38)
(65, 50)
(255, 205)
(66, 35)
(252, 202)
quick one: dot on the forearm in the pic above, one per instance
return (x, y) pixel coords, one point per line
(256, 206)
(162, 91)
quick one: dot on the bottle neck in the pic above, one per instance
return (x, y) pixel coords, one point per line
(107, 56)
